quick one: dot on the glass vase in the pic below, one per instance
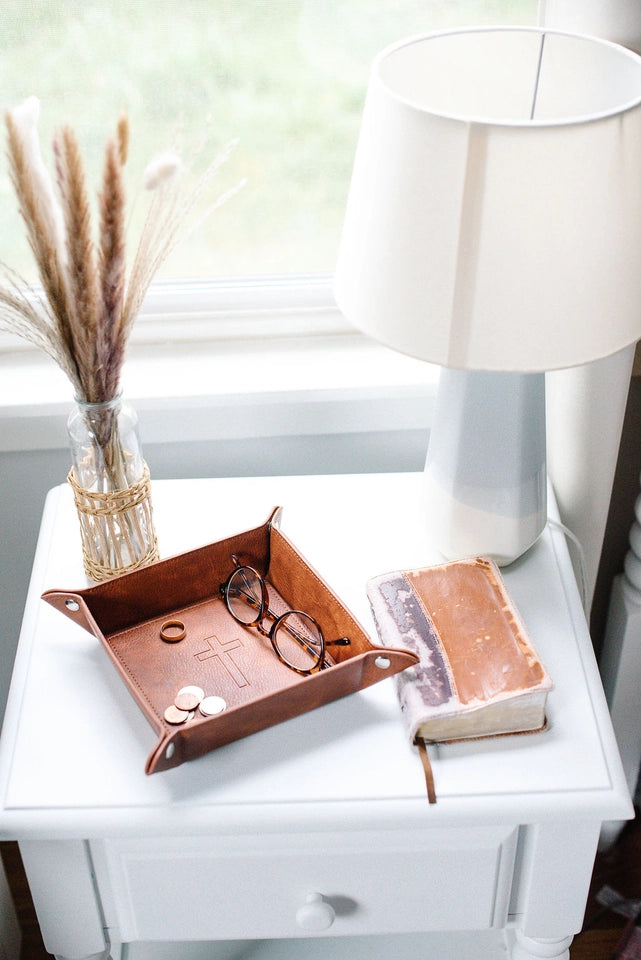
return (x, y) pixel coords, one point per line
(112, 488)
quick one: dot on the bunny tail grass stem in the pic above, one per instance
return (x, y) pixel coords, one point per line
(33, 204)
(82, 275)
(112, 264)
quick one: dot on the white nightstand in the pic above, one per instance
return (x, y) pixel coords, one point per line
(228, 848)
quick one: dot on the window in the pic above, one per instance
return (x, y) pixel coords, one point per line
(285, 77)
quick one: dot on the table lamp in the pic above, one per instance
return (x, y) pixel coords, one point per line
(493, 226)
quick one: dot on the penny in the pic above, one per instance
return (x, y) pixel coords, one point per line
(174, 715)
(210, 706)
(185, 700)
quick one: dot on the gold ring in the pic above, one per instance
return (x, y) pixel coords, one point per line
(172, 631)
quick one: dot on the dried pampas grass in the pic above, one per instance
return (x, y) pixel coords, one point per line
(89, 300)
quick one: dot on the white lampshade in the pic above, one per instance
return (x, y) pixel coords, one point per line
(494, 216)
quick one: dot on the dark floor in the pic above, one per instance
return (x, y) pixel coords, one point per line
(619, 869)
(32, 946)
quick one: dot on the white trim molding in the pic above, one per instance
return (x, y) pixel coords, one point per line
(214, 361)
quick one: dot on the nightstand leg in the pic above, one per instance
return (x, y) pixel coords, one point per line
(530, 948)
(62, 885)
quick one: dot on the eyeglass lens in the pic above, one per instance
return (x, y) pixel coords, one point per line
(298, 640)
(246, 596)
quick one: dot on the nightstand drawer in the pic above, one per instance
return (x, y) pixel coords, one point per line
(296, 885)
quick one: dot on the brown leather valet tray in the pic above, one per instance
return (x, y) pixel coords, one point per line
(226, 660)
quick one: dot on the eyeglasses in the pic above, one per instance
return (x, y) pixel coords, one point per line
(296, 637)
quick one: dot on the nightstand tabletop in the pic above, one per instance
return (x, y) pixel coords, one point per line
(74, 743)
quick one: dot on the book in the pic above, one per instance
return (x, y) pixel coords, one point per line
(478, 673)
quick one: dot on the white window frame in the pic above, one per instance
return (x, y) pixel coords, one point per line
(236, 309)
(231, 360)
(189, 311)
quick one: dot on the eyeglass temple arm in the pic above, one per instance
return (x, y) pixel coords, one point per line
(273, 521)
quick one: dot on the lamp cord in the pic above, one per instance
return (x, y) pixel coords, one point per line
(583, 585)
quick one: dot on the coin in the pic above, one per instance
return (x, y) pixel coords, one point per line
(210, 706)
(174, 715)
(185, 700)
(191, 688)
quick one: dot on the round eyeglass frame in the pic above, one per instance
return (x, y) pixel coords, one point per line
(278, 621)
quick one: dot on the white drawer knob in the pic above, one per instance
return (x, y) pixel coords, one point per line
(315, 913)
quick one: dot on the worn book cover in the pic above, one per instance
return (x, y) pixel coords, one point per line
(478, 673)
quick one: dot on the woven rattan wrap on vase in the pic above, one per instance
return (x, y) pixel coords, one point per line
(113, 525)
(111, 486)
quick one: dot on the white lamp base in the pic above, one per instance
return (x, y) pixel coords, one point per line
(485, 471)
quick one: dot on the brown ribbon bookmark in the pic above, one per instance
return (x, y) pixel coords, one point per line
(427, 769)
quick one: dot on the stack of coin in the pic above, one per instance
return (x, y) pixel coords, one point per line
(188, 700)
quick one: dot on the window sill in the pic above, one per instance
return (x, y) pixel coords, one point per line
(230, 389)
